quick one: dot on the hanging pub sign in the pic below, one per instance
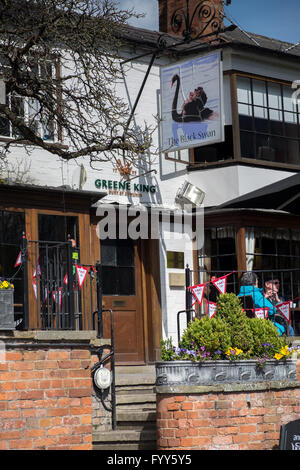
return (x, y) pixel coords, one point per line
(192, 103)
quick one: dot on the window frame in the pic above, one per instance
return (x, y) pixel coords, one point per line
(57, 131)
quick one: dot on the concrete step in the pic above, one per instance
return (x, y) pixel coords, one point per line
(135, 399)
(136, 420)
(124, 439)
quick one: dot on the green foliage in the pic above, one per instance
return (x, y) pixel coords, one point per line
(230, 334)
(211, 334)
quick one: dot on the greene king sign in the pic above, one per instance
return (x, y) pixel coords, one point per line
(124, 188)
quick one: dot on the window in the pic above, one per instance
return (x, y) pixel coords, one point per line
(216, 152)
(118, 273)
(269, 121)
(175, 260)
(12, 226)
(30, 110)
(219, 252)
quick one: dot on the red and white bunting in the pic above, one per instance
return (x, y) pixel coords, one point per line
(261, 312)
(81, 272)
(59, 296)
(37, 270)
(19, 260)
(220, 283)
(198, 292)
(285, 309)
(34, 285)
(212, 307)
(66, 279)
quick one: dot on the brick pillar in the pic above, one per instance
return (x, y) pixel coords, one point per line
(168, 7)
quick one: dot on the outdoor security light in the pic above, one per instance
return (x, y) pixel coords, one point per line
(102, 378)
(190, 194)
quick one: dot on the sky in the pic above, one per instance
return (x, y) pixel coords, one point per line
(279, 19)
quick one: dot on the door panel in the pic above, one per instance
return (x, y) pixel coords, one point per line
(121, 272)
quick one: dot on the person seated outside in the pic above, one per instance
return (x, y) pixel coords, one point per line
(271, 292)
(249, 286)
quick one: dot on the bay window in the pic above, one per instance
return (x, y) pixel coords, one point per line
(268, 121)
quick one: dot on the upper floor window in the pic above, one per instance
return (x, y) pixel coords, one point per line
(269, 121)
(37, 117)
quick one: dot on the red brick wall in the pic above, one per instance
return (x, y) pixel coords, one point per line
(46, 399)
(225, 421)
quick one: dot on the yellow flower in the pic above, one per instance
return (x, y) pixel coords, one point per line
(5, 284)
(278, 356)
(285, 351)
(12, 286)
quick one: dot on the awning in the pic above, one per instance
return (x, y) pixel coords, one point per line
(283, 195)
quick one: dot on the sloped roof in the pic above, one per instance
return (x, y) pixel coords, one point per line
(239, 38)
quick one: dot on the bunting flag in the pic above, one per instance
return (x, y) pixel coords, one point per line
(59, 296)
(34, 285)
(81, 272)
(220, 283)
(285, 309)
(261, 312)
(66, 279)
(37, 270)
(198, 292)
(212, 307)
(19, 260)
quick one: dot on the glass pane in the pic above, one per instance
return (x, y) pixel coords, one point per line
(260, 112)
(4, 126)
(264, 150)
(276, 127)
(245, 109)
(57, 228)
(108, 253)
(293, 151)
(244, 90)
(275, 115)
(246, 122)
(274, 95)
(288, 104)
(261, 125)
(247, 145)
(290, 117)
(259, 93)
(175, 260)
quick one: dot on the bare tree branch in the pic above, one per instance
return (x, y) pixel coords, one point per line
(60, 64)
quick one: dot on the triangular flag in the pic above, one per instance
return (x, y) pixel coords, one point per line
(34, 288)
(261, 312)
(19, 260)
(59, 295)
(37, 270)
(198, 292)
(220, 284)
(212, 307)
(285, 309)
(66, 279)
(81, 274)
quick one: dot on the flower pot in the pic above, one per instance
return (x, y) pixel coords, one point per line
(218, 372)
(7, 309)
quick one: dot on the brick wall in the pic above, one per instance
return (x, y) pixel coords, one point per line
(237, 420)
(167, 8)
(46, 397)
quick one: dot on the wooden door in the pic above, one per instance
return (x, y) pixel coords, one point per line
(121, 282)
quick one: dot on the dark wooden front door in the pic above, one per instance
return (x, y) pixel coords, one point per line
(121, 273)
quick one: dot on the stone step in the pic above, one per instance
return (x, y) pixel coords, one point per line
(136, 420)
(135, 399)
(124, 436)
(144, 445)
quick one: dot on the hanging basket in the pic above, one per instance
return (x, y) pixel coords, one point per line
(7, 309)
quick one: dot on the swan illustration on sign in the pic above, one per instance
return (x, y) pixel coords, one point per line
(191, 103)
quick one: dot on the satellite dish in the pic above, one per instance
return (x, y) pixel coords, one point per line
(79, 177)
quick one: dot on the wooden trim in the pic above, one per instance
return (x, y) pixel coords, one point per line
(261, 77)
(31, 228)
(235, 119)
(241, 248)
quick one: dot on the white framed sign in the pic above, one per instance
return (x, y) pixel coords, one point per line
(192, 103)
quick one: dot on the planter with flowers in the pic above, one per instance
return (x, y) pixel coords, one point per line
(6, 305)
(228, 348)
